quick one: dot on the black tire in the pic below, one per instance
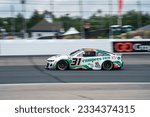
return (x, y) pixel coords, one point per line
(107, 65)
(62, 65)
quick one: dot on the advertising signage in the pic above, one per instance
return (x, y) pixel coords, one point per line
(131, 46)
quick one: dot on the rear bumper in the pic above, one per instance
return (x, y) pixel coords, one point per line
(118, 66)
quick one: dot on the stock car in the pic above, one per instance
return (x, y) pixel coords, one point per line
(86, 59)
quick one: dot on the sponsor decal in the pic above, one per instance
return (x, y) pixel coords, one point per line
(97, 65)
(136, 46)
(105, 58)
(91, 65)
(91, 60)
(113, 58)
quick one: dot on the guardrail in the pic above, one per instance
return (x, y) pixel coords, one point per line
(50, 47)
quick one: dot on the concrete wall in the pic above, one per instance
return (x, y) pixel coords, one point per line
(49, 47)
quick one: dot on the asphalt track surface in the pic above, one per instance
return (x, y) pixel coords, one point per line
(14, 70)
(25, 78)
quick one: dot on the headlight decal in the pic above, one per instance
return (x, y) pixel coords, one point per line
(50, 60)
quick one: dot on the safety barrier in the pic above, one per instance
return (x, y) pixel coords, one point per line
(50, 47)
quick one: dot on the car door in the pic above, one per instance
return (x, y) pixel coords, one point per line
(91, 61)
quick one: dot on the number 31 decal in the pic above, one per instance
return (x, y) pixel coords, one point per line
(76, 61)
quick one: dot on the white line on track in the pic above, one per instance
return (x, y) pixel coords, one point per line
(114, 83)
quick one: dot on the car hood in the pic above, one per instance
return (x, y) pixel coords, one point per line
(58, 57)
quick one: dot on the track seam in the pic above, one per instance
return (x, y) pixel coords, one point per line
(43, 72)
(85, 97)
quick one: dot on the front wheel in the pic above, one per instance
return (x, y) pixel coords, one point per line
(107, 65)
(62, 65)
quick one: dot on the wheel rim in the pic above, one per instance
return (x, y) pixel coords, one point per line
(108, 65)
(62, 65)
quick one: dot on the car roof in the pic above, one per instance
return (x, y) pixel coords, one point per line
(88, 49)
(93, 49)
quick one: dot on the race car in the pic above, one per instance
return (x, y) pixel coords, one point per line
(86, 59)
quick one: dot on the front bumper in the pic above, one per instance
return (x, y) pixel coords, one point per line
(49, 66)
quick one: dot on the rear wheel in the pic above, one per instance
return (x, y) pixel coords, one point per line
(62, 65)
(107, 65)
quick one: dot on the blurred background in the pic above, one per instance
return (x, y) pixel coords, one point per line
(74, 19)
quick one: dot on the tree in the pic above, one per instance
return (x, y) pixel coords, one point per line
(69, 22)
(145, 19)
(18, 22)
(35, 18)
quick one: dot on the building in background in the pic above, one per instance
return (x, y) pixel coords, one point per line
(46, 28)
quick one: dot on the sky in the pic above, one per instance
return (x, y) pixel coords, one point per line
(10, 8)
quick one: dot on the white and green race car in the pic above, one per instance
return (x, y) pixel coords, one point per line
(85, 59)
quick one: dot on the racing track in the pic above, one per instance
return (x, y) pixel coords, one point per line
(31, 70)
(26, 78)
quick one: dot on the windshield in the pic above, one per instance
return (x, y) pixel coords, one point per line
(74, 53)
